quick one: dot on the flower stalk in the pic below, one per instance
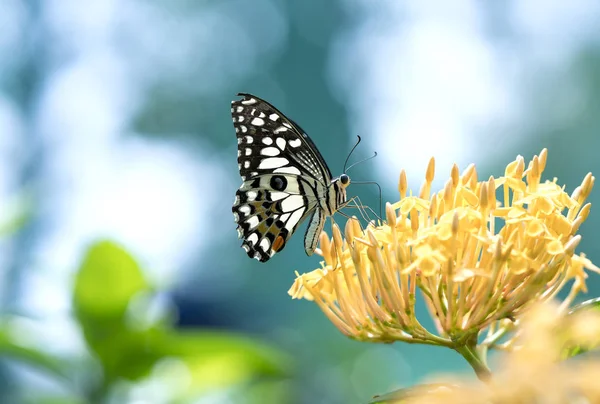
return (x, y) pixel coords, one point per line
(477, 361)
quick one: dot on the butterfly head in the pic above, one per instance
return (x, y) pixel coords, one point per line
(339, 186)
(344, 180)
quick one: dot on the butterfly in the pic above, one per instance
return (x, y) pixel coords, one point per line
(285, 180)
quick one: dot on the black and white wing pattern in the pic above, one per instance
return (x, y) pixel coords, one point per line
(285, 180)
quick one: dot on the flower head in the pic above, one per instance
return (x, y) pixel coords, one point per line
(478, 251)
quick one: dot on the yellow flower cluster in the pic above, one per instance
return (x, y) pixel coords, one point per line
(478, 251)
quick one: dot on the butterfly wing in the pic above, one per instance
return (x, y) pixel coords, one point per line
(269, 142)
(314, 229)
(284, 176)
(267, 216)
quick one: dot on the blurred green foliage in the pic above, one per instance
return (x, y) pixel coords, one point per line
(570, 350)
(130, 347)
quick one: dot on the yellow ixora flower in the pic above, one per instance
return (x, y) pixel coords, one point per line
(479, 252)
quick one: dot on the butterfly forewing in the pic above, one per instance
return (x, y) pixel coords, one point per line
(284, 177)
(269, 142)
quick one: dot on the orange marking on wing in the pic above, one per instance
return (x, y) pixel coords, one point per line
(278, 243)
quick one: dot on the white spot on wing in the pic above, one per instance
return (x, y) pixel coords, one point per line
(257, 122)
(244, 129)
(238, 109)
(252, 221)
(294, 219)
(240, 118)
(288, 170)
(273, 162)
(253, 174)
(245, 247)
(280, 129)
(275, 195)
(285, 217)
(248, 151)
(295, 143)
(245, 209)
(270, 151)
(249, 139)
(274, 117)
(280, 143)
(246, 164)
(251, 195)
(253, 238)
(261, 115)
(267, 140)
(265, 244)
(249, 101)
(291, 203)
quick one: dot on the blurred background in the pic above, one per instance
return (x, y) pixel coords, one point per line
(121, 277)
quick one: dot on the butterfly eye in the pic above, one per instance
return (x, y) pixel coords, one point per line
(344, 179)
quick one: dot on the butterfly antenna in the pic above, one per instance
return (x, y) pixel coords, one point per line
(360, 161)
(364, 182)
(380, 194)
(350, 154)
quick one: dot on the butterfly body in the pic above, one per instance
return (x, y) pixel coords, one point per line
(285, 180)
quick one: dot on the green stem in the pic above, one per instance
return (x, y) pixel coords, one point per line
(476, 361)
(98, 393)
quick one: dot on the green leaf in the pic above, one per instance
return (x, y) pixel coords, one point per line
(106, 281)
(592, 304)
(570, 350)
(246, 355)
(38, 359)
(265, 391)
(35, 398)
(105, 284)
(218, 360)
(401, 395)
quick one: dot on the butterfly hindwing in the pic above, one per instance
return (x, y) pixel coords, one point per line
(268, 209)
(315, 226)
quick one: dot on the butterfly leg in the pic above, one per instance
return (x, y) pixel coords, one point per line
(351, 203)
(362, 208)
(367, 207)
